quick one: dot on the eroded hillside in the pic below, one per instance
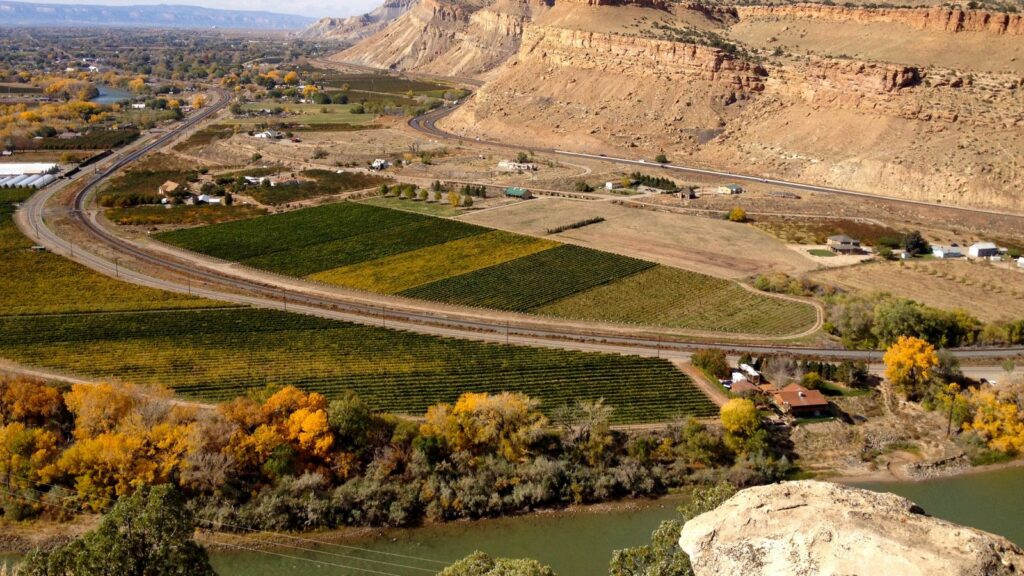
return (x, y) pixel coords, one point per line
(816, 93)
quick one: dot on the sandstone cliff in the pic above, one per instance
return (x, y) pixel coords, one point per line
(938, 18)
(355, 28)
(817, 528)
(448, 37)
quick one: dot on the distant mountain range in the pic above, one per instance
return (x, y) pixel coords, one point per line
(154, 16)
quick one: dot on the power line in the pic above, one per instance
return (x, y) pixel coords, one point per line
(277, 534)
(240, 547)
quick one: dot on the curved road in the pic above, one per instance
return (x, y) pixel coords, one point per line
(217, 284)
(427, 124)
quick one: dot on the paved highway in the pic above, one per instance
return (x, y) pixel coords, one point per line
(427, 124)
(193, 276)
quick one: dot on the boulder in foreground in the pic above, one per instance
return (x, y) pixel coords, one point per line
(810, 528)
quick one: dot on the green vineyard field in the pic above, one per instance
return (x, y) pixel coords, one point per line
(215, 355)
(531, 281)
(397, 252)
(681, 299)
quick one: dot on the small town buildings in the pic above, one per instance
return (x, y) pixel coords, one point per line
(380, 164)
(510, 166)
(983, 250)
(945, 252)
(521, 193)
(843, 244)
(800, 402)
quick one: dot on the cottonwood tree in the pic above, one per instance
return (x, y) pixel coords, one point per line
(910, 365)
(480, 564)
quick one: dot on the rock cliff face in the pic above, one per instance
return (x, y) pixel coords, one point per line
(938, 18)
(614, 53)
(809, 528)
(355, 28)
(449, 37)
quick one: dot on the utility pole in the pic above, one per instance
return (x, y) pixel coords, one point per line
(117, 270)
(189, 280)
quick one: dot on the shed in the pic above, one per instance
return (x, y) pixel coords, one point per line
(983, 250)
(944, 252)
(521, 193)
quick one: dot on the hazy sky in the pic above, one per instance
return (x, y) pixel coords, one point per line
(314, 8)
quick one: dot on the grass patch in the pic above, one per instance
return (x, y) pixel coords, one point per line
(311, 114)
(681, 299)
(817, 230)
(181, 215)
(821, 253)
(532, 281)
(206, 136)
(216, 355)
(410, 269)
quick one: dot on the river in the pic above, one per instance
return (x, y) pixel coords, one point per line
(580, 543)
(109, 95)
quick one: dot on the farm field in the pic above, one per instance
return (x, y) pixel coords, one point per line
(703, 245)
(305, 114)
(318, 183)
(417, 267)
(986, 291)
(45, 283)
(181, 215)
(57, 315)
(532, 281)
(218, 354)
(364, 247)
(681, 299)
(439, 209)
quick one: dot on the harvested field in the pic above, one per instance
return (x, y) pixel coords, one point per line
(680, 299)
(410, 269)
(532, 281)
(985, 290)
(817, 230)
(704, 245)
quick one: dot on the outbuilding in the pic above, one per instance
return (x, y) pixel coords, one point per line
(945, 252)
(521, 193)
(843, 244)
(983, 250)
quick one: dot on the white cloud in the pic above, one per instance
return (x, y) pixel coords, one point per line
(313, 8)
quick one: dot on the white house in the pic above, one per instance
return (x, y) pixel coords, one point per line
(983, 250)
(138, 106)
(380, 164)
(951, 251)
(258, 180)
(268, 135)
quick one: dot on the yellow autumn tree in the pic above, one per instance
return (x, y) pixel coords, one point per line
(28, 456)
(198, 101)
(998, 421)
(98, 408)
(107, 466)
(742, 425)
(291, 78)
(29, 402)
(909, 365)
(479, 423)
(137, 84)
(309, 91)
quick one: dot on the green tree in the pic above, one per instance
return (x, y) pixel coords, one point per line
(149, 533)
(661, 159)
(522, 158)
(480, 564)
(663, 556)
(712, 362)
(915, 244)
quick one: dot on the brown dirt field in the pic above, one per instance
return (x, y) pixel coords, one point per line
(988, 291)
(704, 245)
(890, 42)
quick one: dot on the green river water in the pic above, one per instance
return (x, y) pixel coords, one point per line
(581, 543)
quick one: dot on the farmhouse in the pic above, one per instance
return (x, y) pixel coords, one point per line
(510, 166)
(843, 244)
(800, 402)
(983, 250)
(944, 252)
(521, 193)
(730, 189)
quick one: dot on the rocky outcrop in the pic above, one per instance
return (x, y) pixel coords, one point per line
(657, 4)
(448, 37)
(938, 18)
(809, 528)
(355, 28)
(614, 53)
